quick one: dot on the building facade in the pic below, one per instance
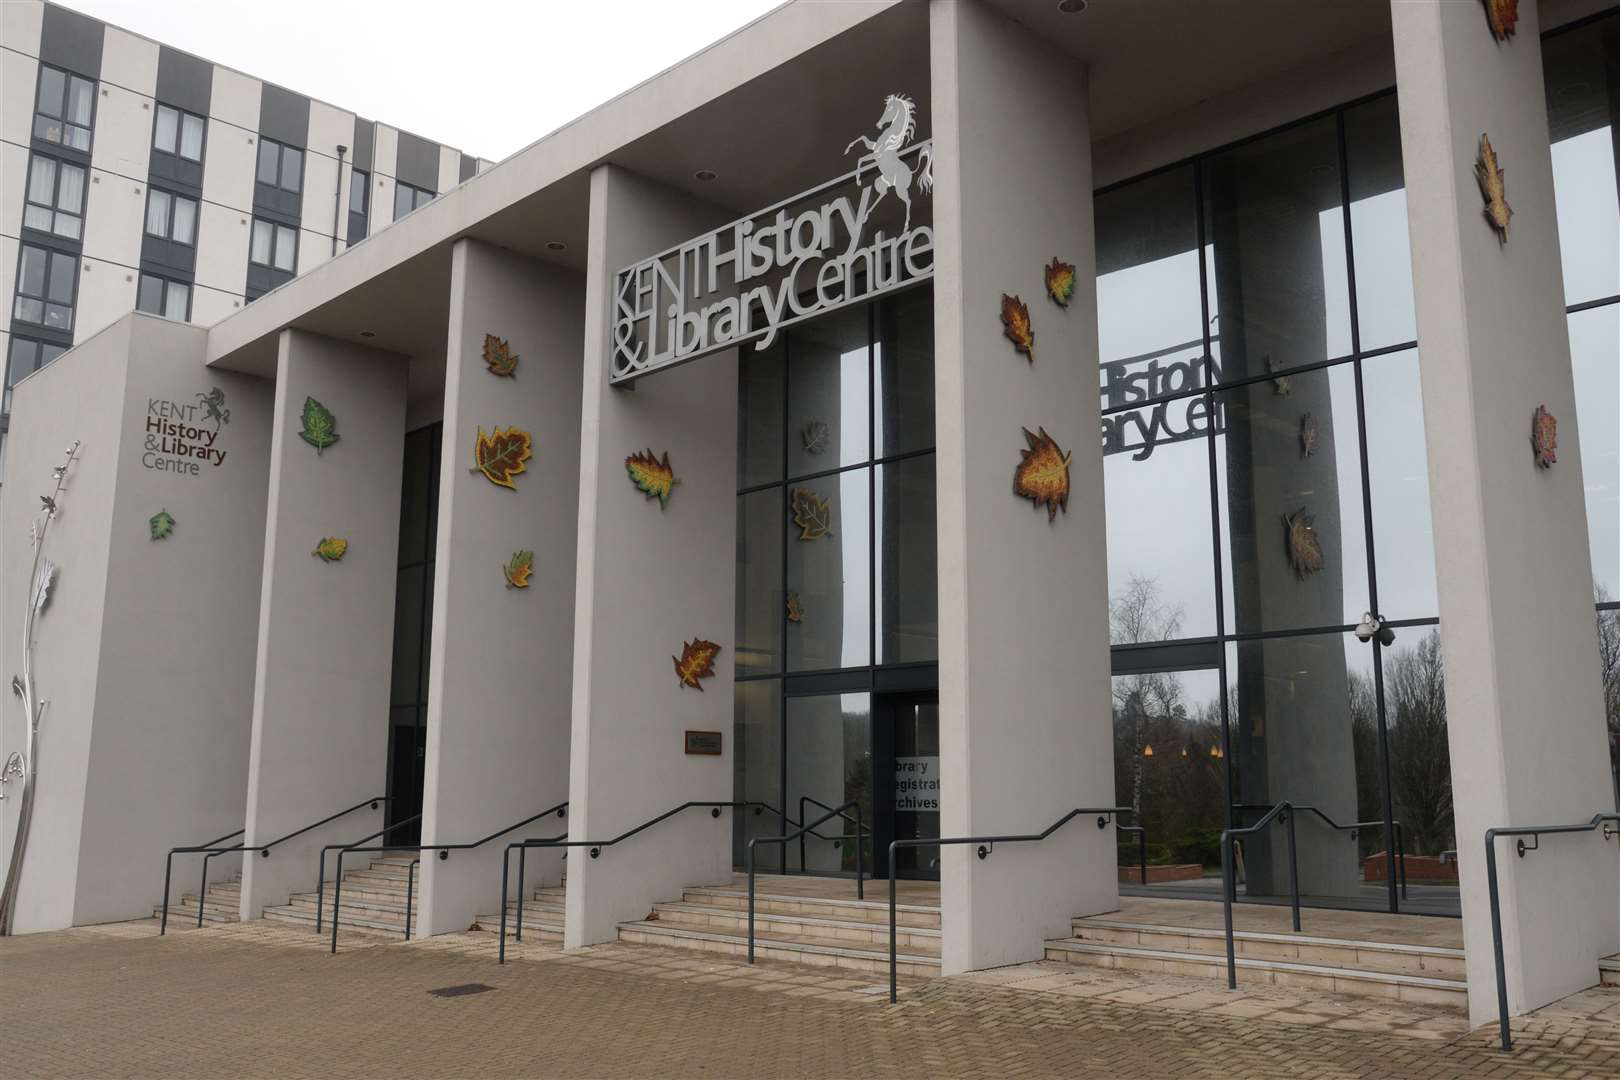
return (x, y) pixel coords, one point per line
(139, 177)
(787, 369)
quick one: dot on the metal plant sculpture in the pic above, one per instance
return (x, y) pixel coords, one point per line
(23, 766)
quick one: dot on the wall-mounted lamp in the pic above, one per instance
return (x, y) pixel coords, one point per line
(1372, 626)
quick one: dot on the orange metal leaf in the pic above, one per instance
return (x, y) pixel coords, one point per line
(502, 454)
(1042, 476)
(499, 357)
(650, 475)
(811, 513)
(1060, 281)
(1304, 546)
(1015, 325)
(1503, 16)
(1493, 189)
(1544, 436)
(695, 662)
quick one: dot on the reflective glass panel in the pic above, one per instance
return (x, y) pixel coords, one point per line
(165, 129)
(263, 240)
(1420, 769)
(1594, 346)
(157, 213)
(81, 96)
(191, 137)
(829, 560)
(42, 181)
(269, 161)
(756, 762)
(292, 168)
(760, 604)
(177, 302)
(1582, 72)
(286, 248)
(759, 427)
(1385, 309)
(1398, 479)
(185, 221)
(70, 189)
(904, 371)
(150, 296)
(829, 392)
(908, 575)
(829, 758)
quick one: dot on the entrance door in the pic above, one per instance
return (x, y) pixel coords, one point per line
(905, 733)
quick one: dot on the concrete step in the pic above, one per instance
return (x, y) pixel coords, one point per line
(358, 905)
(843, 932)
(181, 914)
(537, 926)
(1392, 958)
(301, 916)
(1420, 989)
(778, 944)
(874, 909)
(1609, 970)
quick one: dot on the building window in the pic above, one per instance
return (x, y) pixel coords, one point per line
(275, 246)
(178, 132)
(281, 166)
(359, 205)
(45, 285)
(27, 356)
(66, 103)
(408, 198)
(55, 201)
(160, 296)
(171, 217)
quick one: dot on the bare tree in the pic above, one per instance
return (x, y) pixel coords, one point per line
(1608, 626)
(1137, 616)
(1420, 753)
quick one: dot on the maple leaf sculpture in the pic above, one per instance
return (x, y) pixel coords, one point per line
(320, 426)
(162, 524)
(1280, 384)
(811, 513)
(1503, 17)
(1304, 546)
(1544, 437)
(502, 454)
(1060, 281)
(815, 436)
(1042, 476)
(518, 570)
(1493, 189)
(651, 476)
(1308, 435)
(1016, 327)
(695, 662)
(795, 610)
(499, 357)
(331, 549)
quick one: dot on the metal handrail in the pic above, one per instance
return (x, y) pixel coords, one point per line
(320, 880)
(1535, 832)
(835, 839)
(596, 846)
(860, 879)
(444, 850)
(1279, 812)
(263, 850)
(1353, 827)
(987, 844)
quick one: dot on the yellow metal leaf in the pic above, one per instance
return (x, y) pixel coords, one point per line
(1493, 189)
(1042, 475)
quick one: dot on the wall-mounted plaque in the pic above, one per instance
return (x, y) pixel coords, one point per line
(703, 742)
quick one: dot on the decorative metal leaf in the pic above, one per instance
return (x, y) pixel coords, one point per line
(47, 578)
(1544, 436)
(1304, 547)
(518, 570)
(1493, 189)
(501, 455)
(499, 357)
(162, 524)
(1307, 435)
(695, 662)
(320, 426)
(1503, 17)
(331, 549)
(811, 513)
(1281, 385)
(816, 435)
(1060, 281)
(652, 476)
(1016, 327)
(1042, 475)
(795, 610)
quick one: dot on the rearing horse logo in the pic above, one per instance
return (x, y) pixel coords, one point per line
(898, 124)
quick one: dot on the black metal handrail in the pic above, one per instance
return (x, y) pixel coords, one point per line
(444, 850)
(859, 840)
(1353, 828)
(1280, 813)
(798, 834)
(986, 845)
(596, 846)
(211, 850)
(1535, 832)
(320, 879)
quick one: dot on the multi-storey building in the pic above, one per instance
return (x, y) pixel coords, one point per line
(135, 175)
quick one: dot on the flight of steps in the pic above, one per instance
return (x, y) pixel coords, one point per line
(1422, 974)
(1609, 970)
(849, 934)
(542, 916)
(373, 899)
(222, 905)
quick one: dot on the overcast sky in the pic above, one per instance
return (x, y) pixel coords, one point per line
(484, 76)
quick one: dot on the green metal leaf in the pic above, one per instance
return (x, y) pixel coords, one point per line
(162, 524)
(320, 426)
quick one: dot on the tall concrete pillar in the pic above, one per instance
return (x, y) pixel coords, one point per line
(1522, 677)
(649, 579)
(499, 700)
(320, 703)
(1025, 726)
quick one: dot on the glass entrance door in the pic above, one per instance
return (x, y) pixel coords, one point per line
(906, 757)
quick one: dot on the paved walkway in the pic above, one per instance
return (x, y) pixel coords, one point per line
(258, 1000)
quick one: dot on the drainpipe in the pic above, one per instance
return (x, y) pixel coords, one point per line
(337, 197)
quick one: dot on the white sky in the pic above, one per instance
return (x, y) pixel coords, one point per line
(485, 76)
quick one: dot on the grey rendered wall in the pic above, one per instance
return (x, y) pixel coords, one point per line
(320, 706)
(499, 700)
(174, 702)
(1025, 722)
(648, 581)
(78, 397)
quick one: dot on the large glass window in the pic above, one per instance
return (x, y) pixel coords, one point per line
(274, 245)
(55, 197)
(46, 282)
(65, 105)
(177, 132)
(161, 296)
(281, 166)
(408, 198)
(171, 217)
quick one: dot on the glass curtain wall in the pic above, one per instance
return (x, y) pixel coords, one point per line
(836, 560)
(1267, 483)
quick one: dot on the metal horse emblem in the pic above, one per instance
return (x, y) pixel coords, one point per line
(898, 124)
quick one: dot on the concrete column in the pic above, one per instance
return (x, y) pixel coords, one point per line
(1522, 681)
(499, 701)
(648, 580)
(1025, 726)
(320, 704)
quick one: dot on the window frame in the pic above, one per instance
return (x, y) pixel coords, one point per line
(277, 230)
(51, 254)
(282, 151)
(67, 125)
(175, 198)
(165, 286)
(417, 200)
(181, 116)
(55, 209)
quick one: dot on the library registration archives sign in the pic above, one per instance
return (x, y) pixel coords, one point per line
(807, 255)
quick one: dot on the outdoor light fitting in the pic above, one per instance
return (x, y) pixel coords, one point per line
(1372, 626)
